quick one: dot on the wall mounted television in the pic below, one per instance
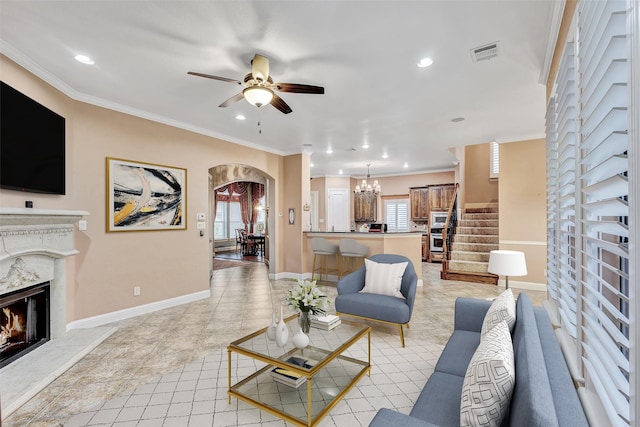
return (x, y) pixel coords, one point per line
(32, 145)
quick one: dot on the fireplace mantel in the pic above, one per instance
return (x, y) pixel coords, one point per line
(26, 216)
(34, 244)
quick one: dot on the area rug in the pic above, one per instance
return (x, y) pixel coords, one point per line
(196, 395)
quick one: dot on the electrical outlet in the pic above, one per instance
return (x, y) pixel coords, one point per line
(136, 291)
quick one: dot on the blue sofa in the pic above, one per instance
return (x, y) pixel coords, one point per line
(544, 395)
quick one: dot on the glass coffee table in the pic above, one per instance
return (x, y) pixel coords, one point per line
(300, 386)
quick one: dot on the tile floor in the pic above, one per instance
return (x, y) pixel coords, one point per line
(151, 351)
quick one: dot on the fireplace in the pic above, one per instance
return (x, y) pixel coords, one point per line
(34, 246)
(24, 321)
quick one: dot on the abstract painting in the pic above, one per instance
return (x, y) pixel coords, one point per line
(143, 196)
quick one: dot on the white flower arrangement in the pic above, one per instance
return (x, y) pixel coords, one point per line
(305, 296)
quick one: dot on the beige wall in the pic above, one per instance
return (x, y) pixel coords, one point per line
(165, 264)
(523, 204)
(295, 195)
(395, 185)
(477, 187)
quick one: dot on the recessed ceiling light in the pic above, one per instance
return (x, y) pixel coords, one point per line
(311, 165)
(365, 145)
(385, 155)
(84, 59)
(329, 150)
(340, 172)
(406, 165)
(425, 62)
(457, 119)
(240, 117)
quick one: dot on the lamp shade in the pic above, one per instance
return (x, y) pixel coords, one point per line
(258, 96)
(507, 263)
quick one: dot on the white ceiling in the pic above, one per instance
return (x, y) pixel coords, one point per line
(364, 54)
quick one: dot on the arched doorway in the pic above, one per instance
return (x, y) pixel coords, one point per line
(222, 175)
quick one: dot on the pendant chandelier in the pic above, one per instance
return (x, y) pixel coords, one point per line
(366, 186)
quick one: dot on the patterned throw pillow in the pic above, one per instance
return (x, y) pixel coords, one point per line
(489, 381)
(502, 308)
(383, 279)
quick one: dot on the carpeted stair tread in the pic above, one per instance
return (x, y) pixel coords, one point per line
(468, 266)
(469, 256)
(478, 223)
(478, 230)
(476, 238)
(474, 247)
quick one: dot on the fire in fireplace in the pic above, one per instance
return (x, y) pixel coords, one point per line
(24, 321)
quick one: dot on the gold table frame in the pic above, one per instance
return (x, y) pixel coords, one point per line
(329, 356)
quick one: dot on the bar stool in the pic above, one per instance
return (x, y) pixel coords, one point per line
(324, 249)
(350, 251)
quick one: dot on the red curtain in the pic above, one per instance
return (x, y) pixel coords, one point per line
(236, 192)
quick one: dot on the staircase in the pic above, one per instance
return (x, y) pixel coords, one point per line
(476, 235)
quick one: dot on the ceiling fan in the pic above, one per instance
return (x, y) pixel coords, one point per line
(260, 88)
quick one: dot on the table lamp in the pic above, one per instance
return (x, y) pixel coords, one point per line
(507, 263)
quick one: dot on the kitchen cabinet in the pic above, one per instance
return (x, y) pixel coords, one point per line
(419, 201)
(365, 208)
(435, 199)
(440, 197)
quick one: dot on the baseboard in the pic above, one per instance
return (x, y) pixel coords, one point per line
(524, 285)
(127, 313)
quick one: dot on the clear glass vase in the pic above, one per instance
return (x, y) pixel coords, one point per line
(305, 321)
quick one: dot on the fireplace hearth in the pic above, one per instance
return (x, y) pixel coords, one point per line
(24, 321)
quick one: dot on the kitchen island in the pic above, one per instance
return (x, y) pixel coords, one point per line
(408, 244)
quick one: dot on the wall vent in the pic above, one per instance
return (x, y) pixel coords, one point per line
(485, 52)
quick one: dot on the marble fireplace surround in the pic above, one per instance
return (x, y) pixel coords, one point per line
(34, 245)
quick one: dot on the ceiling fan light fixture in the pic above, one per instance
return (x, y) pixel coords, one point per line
(258, 95)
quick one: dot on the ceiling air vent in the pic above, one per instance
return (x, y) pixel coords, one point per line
(487, 51)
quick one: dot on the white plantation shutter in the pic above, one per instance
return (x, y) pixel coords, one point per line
(588, 201)
(495, 160)
(552, 199)
(397, 214)
(561, 199)
(604, 166)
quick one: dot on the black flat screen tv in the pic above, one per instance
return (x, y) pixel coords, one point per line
(32, 145)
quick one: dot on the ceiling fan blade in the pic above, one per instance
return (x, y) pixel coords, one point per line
(209, 76)
(260, 68)
(232, 100)
(298, 88)
(279, 103)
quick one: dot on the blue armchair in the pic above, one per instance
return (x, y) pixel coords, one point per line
(380, 308)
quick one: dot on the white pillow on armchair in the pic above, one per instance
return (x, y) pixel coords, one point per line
(383, 279)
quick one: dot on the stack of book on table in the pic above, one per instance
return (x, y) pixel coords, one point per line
(291, 378)
(327, 322)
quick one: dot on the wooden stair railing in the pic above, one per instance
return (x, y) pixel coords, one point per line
(449, 229)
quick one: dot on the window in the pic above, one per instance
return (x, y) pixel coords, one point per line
(228, 218)
(494, 151)
(588, 215)
(397, 214)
